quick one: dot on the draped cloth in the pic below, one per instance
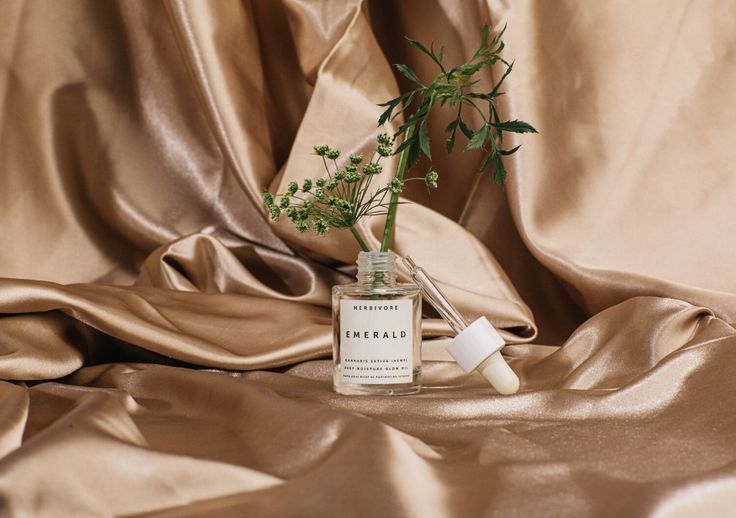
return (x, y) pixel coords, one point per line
(165, 350)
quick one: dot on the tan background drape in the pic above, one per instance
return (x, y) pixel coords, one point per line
(165, 349)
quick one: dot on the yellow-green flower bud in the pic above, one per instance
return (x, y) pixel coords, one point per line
(344, 205)
(267, 198)
(384, 151)
(275, 212)
(384, 140)
(372, 168)
(395, 186)
(302, 226)
(321, 227)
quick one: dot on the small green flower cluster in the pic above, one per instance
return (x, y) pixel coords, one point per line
(344, 196)
(385, 145)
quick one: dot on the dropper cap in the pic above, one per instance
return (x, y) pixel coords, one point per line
(476, 346)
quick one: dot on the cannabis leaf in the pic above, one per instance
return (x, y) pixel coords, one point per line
(454, 88)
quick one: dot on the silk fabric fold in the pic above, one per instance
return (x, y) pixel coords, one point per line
(165, 348)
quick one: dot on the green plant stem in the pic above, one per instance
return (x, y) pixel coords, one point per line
(388, 230)
(359, 239)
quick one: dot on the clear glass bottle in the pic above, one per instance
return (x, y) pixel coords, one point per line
(377, 334)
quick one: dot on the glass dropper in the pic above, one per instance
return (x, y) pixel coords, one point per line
(435, 296)
(476, 346)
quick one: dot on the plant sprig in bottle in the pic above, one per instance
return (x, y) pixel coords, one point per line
(344, 196)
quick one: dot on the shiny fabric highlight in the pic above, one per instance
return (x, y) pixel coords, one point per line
(164, 349)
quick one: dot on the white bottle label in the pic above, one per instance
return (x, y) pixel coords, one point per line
(376, 341)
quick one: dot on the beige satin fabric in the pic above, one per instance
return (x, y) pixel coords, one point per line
(165, 349)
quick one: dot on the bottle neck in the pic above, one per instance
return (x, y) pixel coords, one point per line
(377, 268)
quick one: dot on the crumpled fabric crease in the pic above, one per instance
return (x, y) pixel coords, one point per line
(165, 348)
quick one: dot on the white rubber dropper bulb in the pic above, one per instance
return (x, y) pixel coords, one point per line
(478, 347)
(499, 374)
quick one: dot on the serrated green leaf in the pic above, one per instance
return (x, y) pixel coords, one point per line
(411, 121)
(408, 73)
(496, 119)
(499, 171)
(413, 154)
(406, 143)
(405, 105)
(415, 43)
(514, 126)
(427, 100)
(477, 95)
(468, 84)
(499, 36)
(409, 99)
(392, 102)
(424, 139)
(494, 114)
(452, 129)
(490, 96)
(478, 138)
(487, 162)
(508, 152)
(386, 115)
(464, 128)
(470, 70)
(494, 93)
(450, 143)
(396, 100)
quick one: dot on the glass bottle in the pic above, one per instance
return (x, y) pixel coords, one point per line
(377, 334)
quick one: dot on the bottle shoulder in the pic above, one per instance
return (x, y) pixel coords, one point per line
(362, 290)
